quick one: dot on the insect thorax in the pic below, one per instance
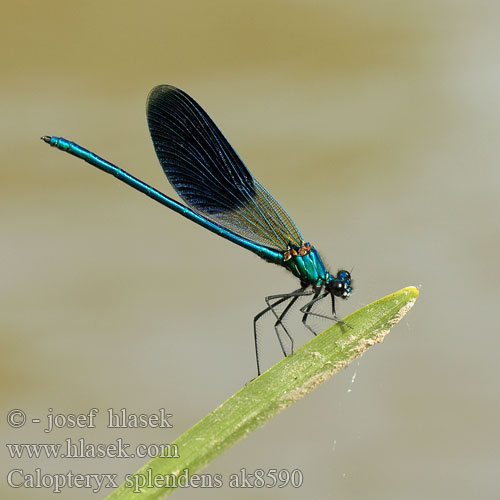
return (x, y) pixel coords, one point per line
(306, 264)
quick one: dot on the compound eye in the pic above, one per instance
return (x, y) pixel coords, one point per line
(338, 288)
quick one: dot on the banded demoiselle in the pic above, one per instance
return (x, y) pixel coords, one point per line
(224, 197)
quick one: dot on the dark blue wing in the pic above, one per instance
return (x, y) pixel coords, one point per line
(208, 174)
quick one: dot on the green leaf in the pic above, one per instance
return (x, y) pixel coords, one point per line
(276, 389)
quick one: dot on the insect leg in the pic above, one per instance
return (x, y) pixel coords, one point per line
(307, 312)
(280, 298)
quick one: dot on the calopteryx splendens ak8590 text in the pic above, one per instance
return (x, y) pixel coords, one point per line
(223, 196)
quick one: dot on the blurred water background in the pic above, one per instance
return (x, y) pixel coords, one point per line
(375, 124)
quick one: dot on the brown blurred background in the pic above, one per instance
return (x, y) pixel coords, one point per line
(376, 125)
